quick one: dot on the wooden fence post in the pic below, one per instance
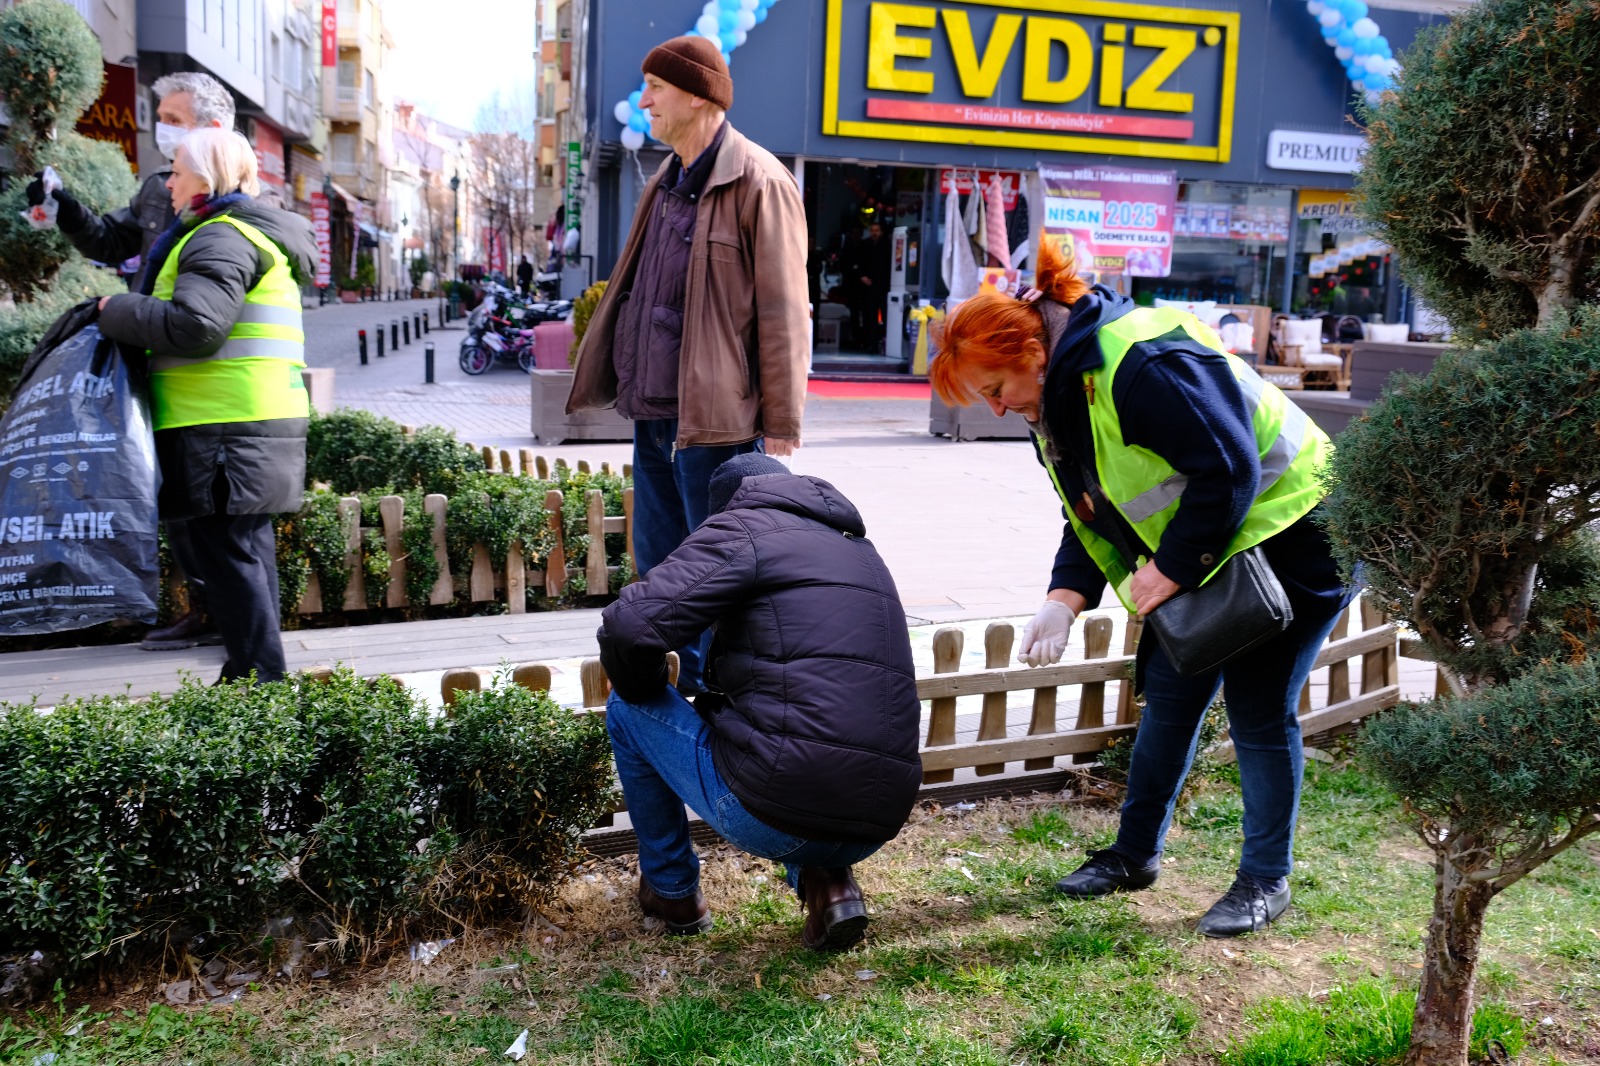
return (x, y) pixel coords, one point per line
(1092, 697)
(583, 466)
(947, 644)
(525, 461)
(516, 584)
(355, 591)
(392, 511)
(1339, 672)
(555, 564)
(488, 459)
(596, 686)
(595, 576)
(532, 676)
(541, 466)
(506, 466)
(627, 521)
(443, 590)
(997, 641)
(456, 682)
(1379, 668)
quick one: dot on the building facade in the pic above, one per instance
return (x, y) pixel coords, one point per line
(1223, 133)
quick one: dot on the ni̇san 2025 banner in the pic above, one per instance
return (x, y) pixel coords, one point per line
(1115, 220)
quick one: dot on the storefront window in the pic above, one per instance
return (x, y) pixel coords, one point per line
(1340, 269)
(1230, 245)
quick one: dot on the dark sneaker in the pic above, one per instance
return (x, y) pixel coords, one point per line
(191, 629)
(1244, 909)
(836, 913)
(1106, 872)
(682, 917)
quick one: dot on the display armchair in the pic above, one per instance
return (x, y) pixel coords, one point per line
(1299, 344)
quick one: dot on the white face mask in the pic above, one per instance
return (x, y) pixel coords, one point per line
(168, 137)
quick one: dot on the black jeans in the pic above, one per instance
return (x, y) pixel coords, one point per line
(238, 560)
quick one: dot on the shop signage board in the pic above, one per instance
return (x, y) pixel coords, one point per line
(330, 33)
(1336, 210)
(959, 180)
(574, 180)
(1319, 153)
(114, 116)
(1057, 75)
(1116, 220)
(269, 154)
(322, 225)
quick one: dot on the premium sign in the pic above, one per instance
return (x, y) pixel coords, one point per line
(1060, 75)
(113, 116)
(1321, 153)
(1114, 220)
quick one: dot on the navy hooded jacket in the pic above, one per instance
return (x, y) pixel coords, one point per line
(811, 697)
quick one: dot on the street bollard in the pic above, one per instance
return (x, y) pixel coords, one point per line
(416, 325)
(394, 334)
(405, 330)
(427, 363)
(425, 327)
(380, 340)
(362, 334)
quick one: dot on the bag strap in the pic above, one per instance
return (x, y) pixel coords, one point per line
(1111, 531)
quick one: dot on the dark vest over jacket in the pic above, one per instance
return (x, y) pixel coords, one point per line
(812, 700)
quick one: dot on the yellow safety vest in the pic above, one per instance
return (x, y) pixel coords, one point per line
(254, 375)
(1144, 487)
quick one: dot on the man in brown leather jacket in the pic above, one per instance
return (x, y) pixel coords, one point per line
(702, 335)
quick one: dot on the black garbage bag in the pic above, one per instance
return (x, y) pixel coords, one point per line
(78, 484)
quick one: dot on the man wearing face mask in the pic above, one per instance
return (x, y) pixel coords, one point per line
(186, 101)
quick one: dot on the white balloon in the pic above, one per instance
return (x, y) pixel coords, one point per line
(1374, 99)
(1365, 28)
(749, 5)
(1314, 7)
(712, 8)
(1343, 53)
(1378, 65)
(745, 20)
(632, 140)
(623, 111)
(739, 37)
(1330, 17)
(1360, 85)
(707, 25)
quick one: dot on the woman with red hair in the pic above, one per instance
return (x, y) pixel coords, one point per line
(1170, 456)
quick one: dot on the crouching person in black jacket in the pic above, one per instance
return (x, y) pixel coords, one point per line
(803, 746)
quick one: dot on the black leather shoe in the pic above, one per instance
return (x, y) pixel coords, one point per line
(1106, 872)
(1244, 908)
(191, 629)
(682, 917)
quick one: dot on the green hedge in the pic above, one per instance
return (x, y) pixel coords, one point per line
(215, 808)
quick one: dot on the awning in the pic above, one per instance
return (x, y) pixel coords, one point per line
(351, 200)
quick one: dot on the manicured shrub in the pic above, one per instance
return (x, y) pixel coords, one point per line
(354, 451)
(214, 808)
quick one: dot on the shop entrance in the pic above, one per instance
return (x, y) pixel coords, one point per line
(852, 212)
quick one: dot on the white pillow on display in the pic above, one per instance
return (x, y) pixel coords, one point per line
(1205, 310)
(1388, 333)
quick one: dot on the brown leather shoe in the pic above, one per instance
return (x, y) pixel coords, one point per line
(836, 913)
(191, 628)
(682, 917)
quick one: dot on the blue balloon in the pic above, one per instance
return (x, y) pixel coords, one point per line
(761, 15)
(1363, 46)
(727, 22)
(1346, 38)
(637, 123)
(634, 98)
(1355, 10)
(729, 5)
(1377, 82)
(1383, 48)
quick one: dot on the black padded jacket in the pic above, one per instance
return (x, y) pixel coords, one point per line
(811, 695)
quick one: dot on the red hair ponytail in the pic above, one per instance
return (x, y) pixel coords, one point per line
(991, 330)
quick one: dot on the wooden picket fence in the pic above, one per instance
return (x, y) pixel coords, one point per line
(1106, 710)
(484, 582)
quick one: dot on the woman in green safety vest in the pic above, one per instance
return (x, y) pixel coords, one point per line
(1169, 456)
(219, 319)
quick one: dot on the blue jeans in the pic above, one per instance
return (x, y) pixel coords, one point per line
(669, 501)
(663, 752)
(1262, 690)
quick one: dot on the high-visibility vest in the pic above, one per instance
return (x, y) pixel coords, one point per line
(1146, 490)
(255, 374)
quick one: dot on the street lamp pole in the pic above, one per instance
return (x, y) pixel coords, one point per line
(455, 219)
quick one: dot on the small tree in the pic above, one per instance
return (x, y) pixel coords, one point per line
(1483, 172)
(50, 72)
(1464, 501)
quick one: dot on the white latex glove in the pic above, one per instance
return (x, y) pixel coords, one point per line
(1044, 639)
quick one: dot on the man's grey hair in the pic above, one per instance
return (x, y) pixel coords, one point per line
(212, 102)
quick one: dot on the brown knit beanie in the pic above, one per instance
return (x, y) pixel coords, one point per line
(694, 65)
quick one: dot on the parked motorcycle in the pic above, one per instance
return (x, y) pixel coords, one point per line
(501, 329)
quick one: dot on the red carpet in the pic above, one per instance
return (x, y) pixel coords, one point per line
(870, 390)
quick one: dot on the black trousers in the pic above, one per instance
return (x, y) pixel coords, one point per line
(183, 552)
(237, 555)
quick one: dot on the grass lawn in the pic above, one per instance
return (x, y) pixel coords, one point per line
(970, 960)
